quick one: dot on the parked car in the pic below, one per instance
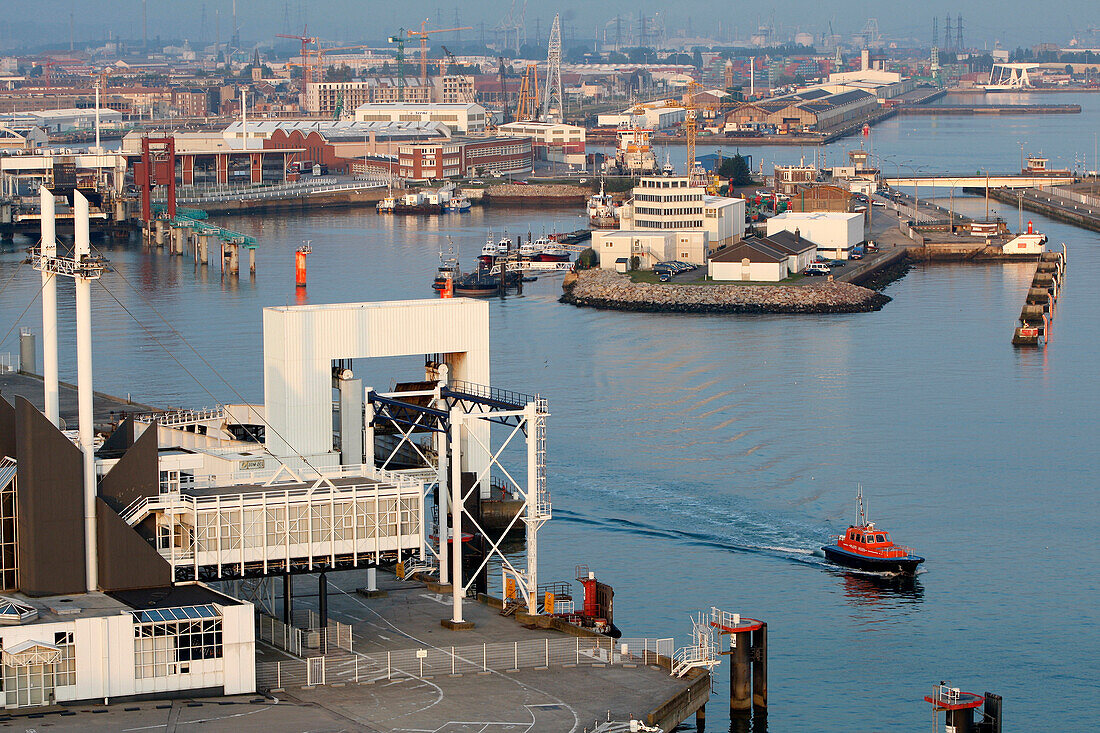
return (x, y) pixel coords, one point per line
(855, 255)
(876, 202)
(871, 246)
(817, 268)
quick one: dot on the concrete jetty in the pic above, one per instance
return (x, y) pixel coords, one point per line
(614, 291)
(406, 672)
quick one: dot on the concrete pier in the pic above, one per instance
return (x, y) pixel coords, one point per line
(504, 670)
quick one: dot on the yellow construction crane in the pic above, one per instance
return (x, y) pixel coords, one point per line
(689, 127)
(527, 108)
(423, 33)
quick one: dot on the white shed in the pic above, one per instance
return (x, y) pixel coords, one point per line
(749, 260)
(834, 232)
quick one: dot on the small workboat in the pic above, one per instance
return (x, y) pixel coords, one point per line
(865, 547)
(457, 204)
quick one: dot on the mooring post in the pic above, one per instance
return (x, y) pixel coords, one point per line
(760, 667)
(701, 719)
(252, 260)
(740, 682)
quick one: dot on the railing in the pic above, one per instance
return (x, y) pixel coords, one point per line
(221, 192)
(137, 508)
(507, 396)
(433, 661)
(9, 364)
(690, 657)
(176, 418)
(1080, 198)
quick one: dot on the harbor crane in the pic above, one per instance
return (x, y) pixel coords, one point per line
(423, 34)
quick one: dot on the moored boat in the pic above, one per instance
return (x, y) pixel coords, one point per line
(387, 205)
(601, 209)
(866, 547)
(457, 204)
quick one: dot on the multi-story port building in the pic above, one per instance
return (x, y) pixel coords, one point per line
(669, 219)
(462, 119)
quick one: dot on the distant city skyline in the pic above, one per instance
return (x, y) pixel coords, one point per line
(1014, 23)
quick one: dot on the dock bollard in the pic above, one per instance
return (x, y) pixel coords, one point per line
(252, 260)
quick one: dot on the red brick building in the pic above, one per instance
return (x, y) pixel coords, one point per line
(465, 156)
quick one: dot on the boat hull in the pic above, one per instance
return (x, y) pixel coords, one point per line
(904, 565)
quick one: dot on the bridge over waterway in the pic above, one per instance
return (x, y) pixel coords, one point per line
(990, 181)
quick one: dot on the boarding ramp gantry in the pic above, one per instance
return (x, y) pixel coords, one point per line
(284, 521)
(459, 416)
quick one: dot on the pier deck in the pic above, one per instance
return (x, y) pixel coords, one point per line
(558, 697)
(29, 386)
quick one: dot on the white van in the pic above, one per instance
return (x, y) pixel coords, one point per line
(817, 268)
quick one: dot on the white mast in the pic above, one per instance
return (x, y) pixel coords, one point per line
(49, 308)
(82, 251)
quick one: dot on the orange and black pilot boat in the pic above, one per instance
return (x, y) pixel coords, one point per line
(865, 547)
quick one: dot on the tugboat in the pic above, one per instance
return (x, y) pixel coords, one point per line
(865, 547)
(602, 211)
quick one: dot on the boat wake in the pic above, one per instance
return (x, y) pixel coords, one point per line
(794, 549)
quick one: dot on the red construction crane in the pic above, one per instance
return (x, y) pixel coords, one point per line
(423, 33)
(306, 40)
(47, 66)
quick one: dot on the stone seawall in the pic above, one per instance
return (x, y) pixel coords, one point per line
(536, 193)
(614, 291)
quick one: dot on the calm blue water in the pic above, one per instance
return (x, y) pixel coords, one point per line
(701, 461)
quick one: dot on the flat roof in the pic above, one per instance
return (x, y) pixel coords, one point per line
(192, 594)
(70, 607)
(234, 489)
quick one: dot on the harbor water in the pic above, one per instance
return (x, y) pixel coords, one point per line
(700, 461)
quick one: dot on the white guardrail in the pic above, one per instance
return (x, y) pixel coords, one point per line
(432, 661)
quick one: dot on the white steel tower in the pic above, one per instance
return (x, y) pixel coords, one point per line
(553, 105)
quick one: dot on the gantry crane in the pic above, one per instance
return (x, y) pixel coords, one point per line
(527, 108)
(423, 33)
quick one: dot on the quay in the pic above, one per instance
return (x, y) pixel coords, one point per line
(988, 109)
(1061, 203)
(404, 671)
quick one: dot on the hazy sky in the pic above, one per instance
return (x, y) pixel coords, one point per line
(1012, 22)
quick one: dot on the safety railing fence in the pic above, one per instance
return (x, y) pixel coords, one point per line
(309, 639)
(275, 632)
(1081, 198)
(433, 661)
(9, 363)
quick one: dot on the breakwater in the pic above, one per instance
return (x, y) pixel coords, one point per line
(615, 291)
(989, 109)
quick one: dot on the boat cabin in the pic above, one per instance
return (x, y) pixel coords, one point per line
(865, 539)
(868, 535)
